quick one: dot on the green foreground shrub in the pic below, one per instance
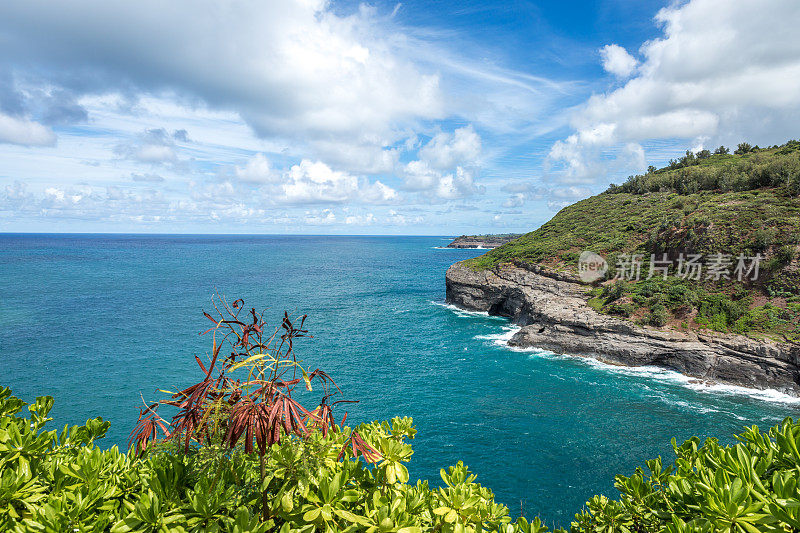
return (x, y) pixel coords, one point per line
(60, 482)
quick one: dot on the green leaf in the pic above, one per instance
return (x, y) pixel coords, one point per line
(350, 517)
(312, 515)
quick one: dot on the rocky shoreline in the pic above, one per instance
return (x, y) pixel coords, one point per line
(482, 241)
(554, 315)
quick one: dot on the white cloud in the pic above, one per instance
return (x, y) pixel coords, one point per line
(456, 185)
(291, 68)
(556, 196)
(26, 132)
(293, 83)
(445, 150)
(320, 218)
(153, 153)
(515, 200)
(367, 156)
(152, 146)
(459, 153)
(419, 176)
(460, 183)
(316, 182)
(107, 204)
(617, 60)
(398, 219)
(257, 170)
(722, 72)
(570, 192)
(360, 220)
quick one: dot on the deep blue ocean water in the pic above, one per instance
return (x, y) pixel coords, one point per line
(97, 320)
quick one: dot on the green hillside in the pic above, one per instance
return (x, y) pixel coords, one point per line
(742, 203)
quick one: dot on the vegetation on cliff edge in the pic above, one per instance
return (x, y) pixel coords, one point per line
(744, 203)
(57, 482)
(240, 454)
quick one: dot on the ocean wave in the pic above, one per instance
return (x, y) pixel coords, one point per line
(664, 375)
(500, 339)
(463, 313)
(696, 384)
(654, 373)
(456, 248)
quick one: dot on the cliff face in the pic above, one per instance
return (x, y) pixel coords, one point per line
(554, 316)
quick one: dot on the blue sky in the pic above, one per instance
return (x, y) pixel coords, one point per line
(305, 116)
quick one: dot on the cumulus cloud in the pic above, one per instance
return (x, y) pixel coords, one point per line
(360, 220)
(320, 218)
(515, 200)
(617, 60)
(337, 96)
(14, 130)
(86, 202)
(398, 219)
(460, 183)
(368, 156)
(556, 196)
(52, 106)
(292, 68)
(447, 150)
(446, 166)
(257, 170)
(721, 72)
(151, 146)
(316, 182)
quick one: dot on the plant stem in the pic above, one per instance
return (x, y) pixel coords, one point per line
(264, 511)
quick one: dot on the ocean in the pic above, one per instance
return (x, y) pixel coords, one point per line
(100, 321)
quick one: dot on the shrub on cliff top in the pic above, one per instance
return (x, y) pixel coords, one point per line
(240, 454)
(330, 477)
(58, 482)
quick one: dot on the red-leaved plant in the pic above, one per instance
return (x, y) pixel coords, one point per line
(256, 409)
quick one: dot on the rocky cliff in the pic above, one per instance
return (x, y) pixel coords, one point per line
(553, 312)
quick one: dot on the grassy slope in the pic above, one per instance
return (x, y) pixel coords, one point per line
(764, 220)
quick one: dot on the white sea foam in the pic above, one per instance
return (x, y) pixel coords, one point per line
(654, 373)
(706, 387)
(501, 338)
(456, 248)
(463, 313)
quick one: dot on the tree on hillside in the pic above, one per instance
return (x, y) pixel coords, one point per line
(721, 151)
(703, 154)
(743, 148)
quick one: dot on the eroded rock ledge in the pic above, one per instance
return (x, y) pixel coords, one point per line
(554, 316)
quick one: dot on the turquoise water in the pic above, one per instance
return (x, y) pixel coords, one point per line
(95, 320)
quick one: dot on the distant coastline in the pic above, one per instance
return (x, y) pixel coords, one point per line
(483, 241)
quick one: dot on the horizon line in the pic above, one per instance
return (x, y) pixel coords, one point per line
(237, 234)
